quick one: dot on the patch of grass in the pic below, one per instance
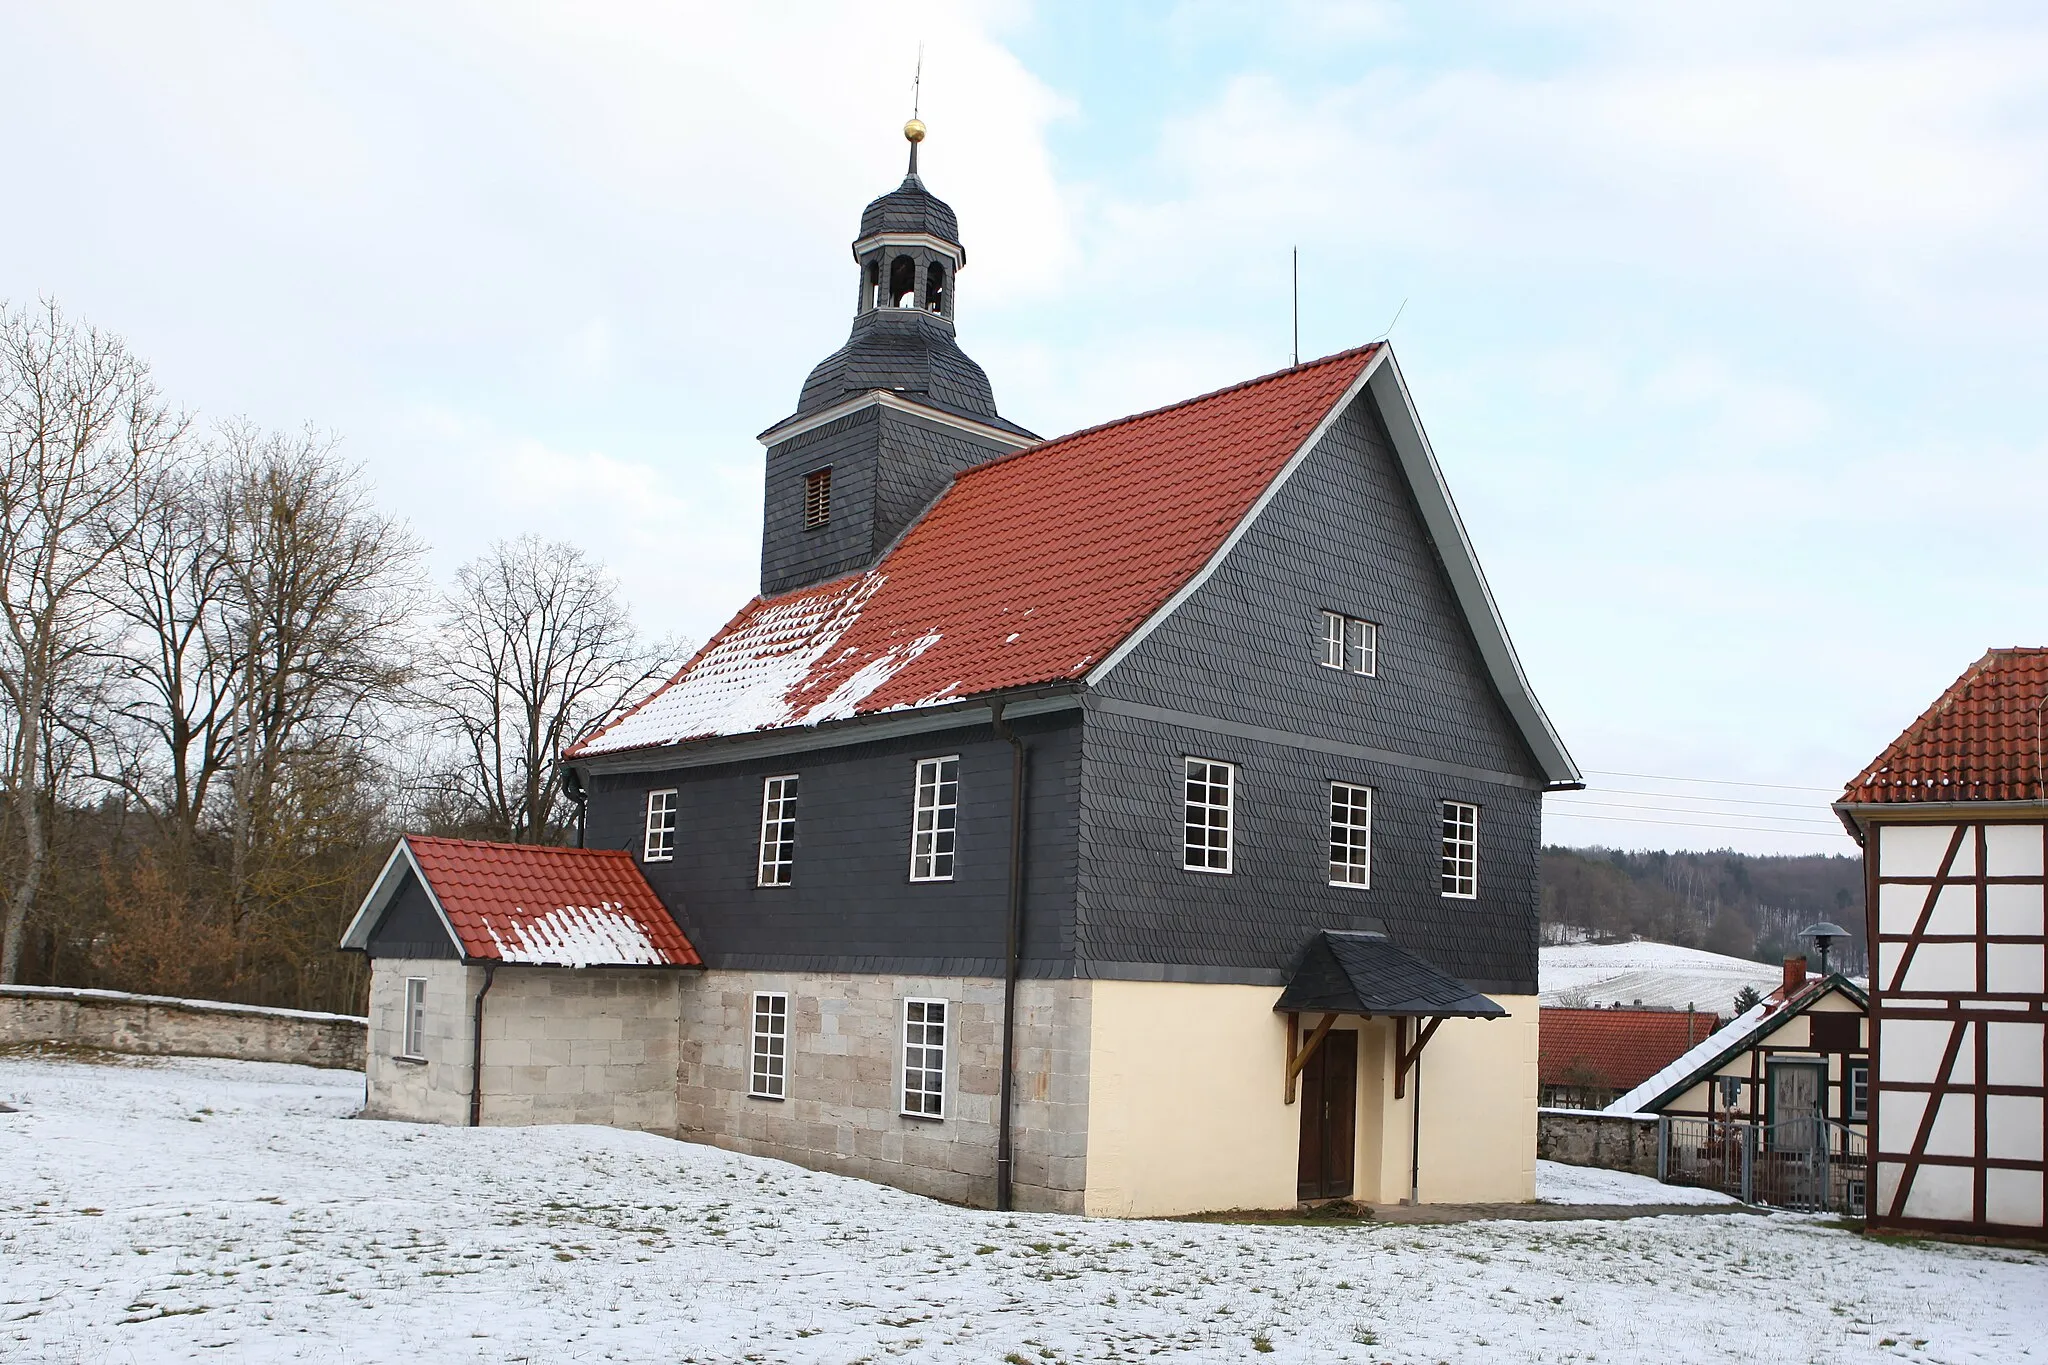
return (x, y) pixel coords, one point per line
(1263, 1344)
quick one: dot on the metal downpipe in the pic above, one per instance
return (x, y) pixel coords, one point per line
(1012, 949)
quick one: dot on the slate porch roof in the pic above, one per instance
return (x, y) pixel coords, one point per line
(1030, 570)
(517, 903)
(1980, 741)
(1355, 972)
(1614, 1049)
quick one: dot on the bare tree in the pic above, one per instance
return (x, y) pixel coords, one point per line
(320, 594)
(535, 645)
(174, 593)
(83, 439)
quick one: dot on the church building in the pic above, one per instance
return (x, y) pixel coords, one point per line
(1139, 822)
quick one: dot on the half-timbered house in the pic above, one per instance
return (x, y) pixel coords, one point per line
(1953, 820)
(1125, 823)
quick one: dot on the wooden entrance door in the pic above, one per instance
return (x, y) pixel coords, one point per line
(1329, 1111)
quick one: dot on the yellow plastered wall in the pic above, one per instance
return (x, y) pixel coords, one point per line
(1478, 1111)
(1184, 1104)
(1186, 1113)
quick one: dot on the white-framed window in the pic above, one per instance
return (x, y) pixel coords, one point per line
(661, 827)
(769, 1077)
(1211, 791)
(1859, 1090)
(778, 831)
(924, 1058)
(1461, 850)
(935, 819)
(1350, 835)
(415, 1017)
(1350, 644)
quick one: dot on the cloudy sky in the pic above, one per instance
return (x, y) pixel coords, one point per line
(1726, 319)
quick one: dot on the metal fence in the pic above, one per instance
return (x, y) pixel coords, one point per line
(1810, 1164)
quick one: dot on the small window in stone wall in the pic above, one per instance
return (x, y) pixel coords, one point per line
(770, 1074)
(415, 1016)
(924, 1058)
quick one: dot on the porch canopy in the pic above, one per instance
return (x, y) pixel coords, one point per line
(1369, 975)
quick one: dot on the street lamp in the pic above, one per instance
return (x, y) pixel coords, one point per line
(1822, 934)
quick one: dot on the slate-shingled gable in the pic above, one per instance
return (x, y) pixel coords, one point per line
(1030, 570)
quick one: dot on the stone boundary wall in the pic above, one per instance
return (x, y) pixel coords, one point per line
(159, 1025)
(1588, 1137)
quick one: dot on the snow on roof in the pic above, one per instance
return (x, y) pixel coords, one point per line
(1026, 572)
(537, 906)
(1662, 975)
(1752, 1023)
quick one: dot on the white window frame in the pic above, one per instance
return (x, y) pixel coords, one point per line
(413, 1026)
(930, 1103)
(1852, 1110)
(935, 823)
(1343, 834)
(768, 1058)
(1460, 851)
(1350, 644)
(1195, 769)
(659, 845)
(776, 865)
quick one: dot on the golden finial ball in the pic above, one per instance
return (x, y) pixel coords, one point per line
(914, 130)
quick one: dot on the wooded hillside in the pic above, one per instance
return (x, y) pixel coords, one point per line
(1724, 902)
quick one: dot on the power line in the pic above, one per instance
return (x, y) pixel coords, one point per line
(1693, 824)
(1715, 781)
(1681, 810)
(1682, 796)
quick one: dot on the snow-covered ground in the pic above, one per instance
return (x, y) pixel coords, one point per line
(1644, 973)
(230, 1211)
(1557, 1183)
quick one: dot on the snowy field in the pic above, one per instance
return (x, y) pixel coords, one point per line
(231, 1212)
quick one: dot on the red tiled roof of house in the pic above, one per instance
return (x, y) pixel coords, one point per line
(1613, 1049)
(564, 907)
(1981, 741)
(1031, 569)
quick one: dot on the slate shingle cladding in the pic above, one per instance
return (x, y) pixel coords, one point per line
(908, 352)
(410, 928)
(910, 207)
(852, 905)
(1342, 535)
(887, 466)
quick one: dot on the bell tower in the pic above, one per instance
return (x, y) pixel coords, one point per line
(885, 421)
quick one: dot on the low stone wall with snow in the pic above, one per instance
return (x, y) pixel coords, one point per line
(159, 1025)
(1587, 1137)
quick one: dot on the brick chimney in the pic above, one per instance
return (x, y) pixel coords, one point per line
(1795, 975)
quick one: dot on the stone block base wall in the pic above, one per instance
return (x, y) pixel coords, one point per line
(843, 1106)
(163, 1026)
(1613, 1142)
(434, 1087)
(596, 1045)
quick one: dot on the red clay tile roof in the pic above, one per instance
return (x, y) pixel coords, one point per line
(1613, 1049)
(1980, 742)
(1029, 570)
(563, 907)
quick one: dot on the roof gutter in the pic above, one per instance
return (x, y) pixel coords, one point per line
(1856, 815)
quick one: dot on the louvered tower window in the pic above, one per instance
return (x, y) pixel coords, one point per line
(817, 498)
